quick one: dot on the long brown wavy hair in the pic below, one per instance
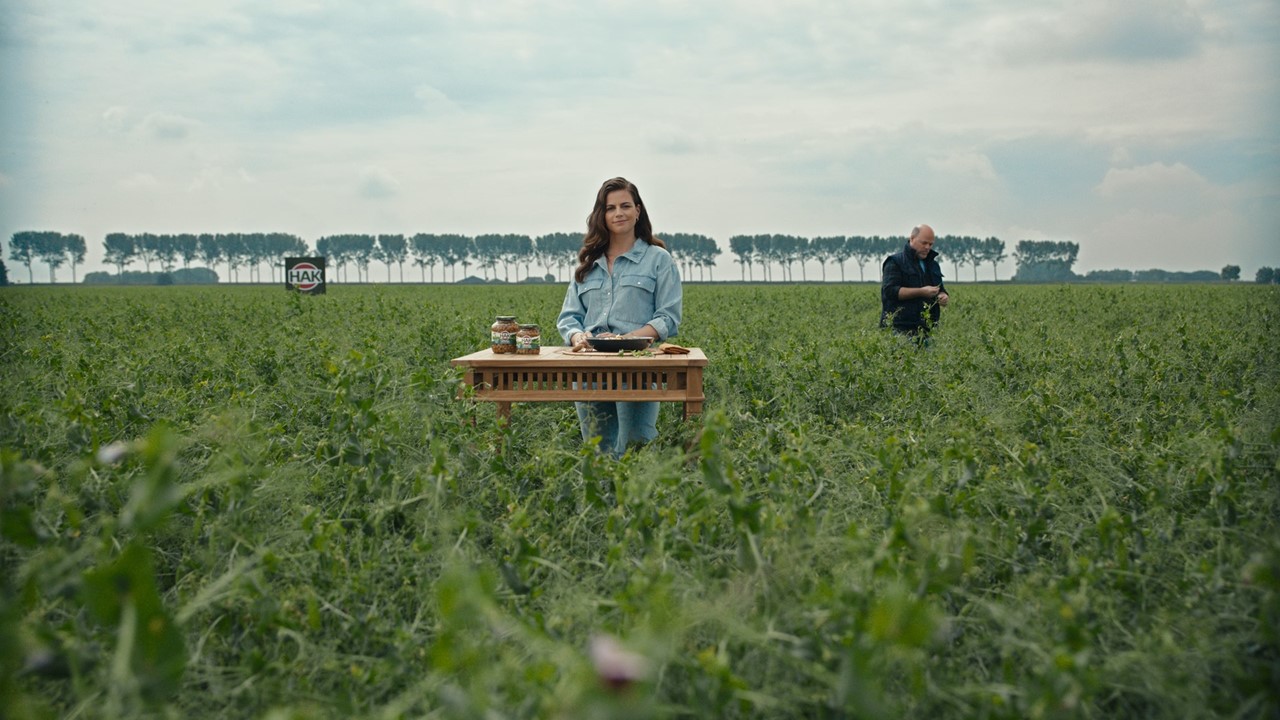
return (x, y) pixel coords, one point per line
(596, 241)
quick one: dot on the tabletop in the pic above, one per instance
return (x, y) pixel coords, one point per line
(562, 356)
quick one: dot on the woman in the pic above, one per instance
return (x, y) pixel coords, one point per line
(625, 284)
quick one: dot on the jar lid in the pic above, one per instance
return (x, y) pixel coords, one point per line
(507, 318)
(529, 326)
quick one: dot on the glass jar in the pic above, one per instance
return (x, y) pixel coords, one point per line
(502, 334)
(528, 341)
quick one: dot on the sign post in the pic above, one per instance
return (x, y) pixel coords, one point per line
(304, 274)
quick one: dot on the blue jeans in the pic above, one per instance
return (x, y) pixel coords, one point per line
(618, 424)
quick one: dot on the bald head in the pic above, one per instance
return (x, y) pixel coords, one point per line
(922, 240)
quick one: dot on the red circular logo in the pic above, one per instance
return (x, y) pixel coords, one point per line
(304, 276)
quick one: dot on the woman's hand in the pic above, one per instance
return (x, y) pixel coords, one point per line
(579, 340)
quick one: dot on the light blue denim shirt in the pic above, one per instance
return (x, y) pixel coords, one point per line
(644, 289)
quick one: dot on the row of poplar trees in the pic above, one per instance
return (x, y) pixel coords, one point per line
(785, 251)
(490, 254)
(494, 255)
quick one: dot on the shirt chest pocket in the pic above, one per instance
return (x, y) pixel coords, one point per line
(637, 283)
(634, 304)
(591, 290)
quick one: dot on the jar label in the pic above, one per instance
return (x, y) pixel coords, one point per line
(505, 337)
(527, 342)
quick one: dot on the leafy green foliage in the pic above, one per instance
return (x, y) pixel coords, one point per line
(246, 502)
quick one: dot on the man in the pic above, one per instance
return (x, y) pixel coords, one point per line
(911, 291)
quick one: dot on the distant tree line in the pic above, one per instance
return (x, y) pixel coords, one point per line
(235, 250)
(785, 251)
(495, 255)
(1153, 275)
(1049, 261)
(181, 276)
(553, 252)
(53, 248)
(1045, 260)
(490, 254)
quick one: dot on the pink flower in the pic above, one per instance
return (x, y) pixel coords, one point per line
(616, 666)
(113, 453)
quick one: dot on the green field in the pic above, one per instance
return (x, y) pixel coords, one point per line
(237, 502)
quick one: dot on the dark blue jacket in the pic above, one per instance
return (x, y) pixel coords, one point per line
(902, 269)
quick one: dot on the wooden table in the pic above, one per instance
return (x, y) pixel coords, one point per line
(555, 374)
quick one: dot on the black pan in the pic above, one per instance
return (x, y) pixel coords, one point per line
(616, 344)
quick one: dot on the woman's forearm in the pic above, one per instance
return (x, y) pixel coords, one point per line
(647, 331)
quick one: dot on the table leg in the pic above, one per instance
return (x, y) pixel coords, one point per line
(694, 389)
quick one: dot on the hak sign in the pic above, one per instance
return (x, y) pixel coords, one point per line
(304, 274)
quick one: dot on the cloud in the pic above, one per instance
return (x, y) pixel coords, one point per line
(434, 101)
(376, 183)
(671, 141)
(1017, 232)
(813, 118)
(1139, 239)
(1047, 174)
(1158, 176)
(1136, 30)
(965, 165)
(163, 126)
(1160, 187)
(140, 181)
(217, 177)
(116, 119)
(168, 127)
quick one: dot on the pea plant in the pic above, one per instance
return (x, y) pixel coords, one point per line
(243, 502)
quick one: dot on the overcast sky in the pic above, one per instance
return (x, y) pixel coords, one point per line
(1147, 131)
